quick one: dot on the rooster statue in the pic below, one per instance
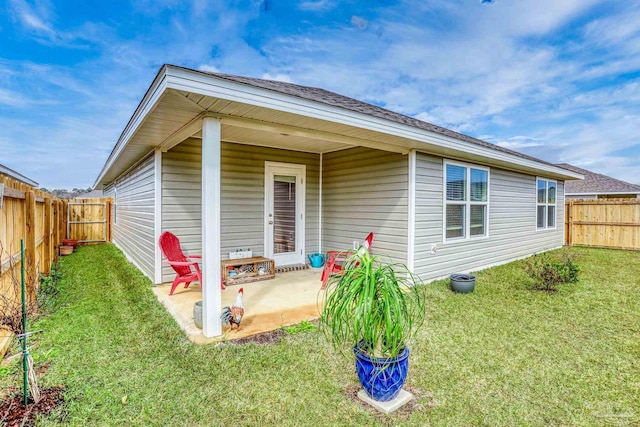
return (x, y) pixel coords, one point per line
(233, 315)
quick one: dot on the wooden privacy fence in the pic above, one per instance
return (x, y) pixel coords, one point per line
(603, 223)
(43, 221)
(39, 219)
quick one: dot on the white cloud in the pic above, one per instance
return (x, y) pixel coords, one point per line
(317, 5)
(481, 75)
(278, 77)
(510, 68)
(517, 145)
(209, 68)
(33, 17)
(359, 23)
(12, 99)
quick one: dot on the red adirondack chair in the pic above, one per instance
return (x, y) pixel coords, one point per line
(186, 269)
(336, 258)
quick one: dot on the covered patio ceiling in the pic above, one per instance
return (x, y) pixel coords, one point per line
(175, 104)
(178, 115)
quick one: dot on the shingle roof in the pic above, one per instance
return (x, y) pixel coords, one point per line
(595, 183)
(336, 100)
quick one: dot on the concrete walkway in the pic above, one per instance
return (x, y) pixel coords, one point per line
(287, 299)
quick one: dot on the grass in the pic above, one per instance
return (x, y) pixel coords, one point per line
(504, 355)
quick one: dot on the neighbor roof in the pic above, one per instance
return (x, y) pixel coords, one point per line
(336, 100)
(596, 183)
(17, 176)
(93, 194)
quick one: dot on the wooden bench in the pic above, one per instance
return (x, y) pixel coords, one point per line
(247, 269)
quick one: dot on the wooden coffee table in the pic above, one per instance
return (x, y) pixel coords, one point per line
(248, 270)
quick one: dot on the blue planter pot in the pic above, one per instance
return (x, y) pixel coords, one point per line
(382, 379)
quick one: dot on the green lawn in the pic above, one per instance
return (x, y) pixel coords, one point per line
(504, 355)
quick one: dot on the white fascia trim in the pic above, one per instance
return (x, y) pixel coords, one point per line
(170, 77)
(411, 225)
(209, 85)
(147, 104)
(157, 214)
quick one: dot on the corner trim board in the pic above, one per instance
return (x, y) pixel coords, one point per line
(158, 214)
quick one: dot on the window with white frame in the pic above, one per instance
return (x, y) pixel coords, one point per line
(546, 204)
(466, 201)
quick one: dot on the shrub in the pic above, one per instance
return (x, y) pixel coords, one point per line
(548, 271)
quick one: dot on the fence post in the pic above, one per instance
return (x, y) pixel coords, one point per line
(65, 207)
(54, 229)
(62, 223)
(107, 217)
(570, 233)
(46, 261)
(62, 229)
(30, 239)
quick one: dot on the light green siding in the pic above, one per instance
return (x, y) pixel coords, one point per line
(365, 190)
(242, 197)
(134, 205)
(512, 223)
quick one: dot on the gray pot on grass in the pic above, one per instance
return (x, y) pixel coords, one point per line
(197, 314)
(462, 283)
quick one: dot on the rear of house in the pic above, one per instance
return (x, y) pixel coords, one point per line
(228, 162)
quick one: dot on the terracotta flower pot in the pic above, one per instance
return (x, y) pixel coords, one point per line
(66, 250)
(70, 242)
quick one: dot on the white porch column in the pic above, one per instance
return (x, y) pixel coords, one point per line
(411, 209)
(211, 292)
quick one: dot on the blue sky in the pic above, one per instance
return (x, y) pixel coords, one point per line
(557, 79)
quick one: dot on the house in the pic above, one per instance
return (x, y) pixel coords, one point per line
(229, 162)
(598, 186)
(6, 171)
(94, 194)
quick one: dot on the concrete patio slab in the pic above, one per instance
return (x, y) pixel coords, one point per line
(287, 299)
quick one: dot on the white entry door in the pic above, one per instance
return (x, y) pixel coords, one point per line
(284, 212)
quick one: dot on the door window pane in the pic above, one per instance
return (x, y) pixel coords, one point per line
(455, 221)
(479, 185)
(456, 182)
(542, 210)
(478, 216)
(284, 214)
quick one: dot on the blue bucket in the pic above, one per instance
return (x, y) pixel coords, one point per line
(316, 260)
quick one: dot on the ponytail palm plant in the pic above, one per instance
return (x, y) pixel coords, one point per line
(374, 306)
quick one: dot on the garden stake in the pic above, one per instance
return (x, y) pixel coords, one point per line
(25, 351)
